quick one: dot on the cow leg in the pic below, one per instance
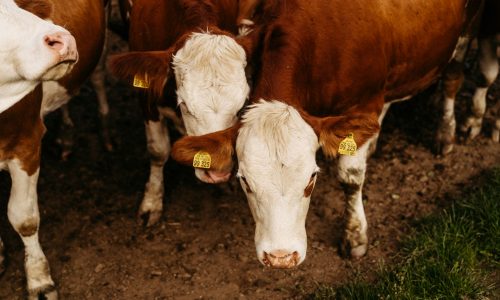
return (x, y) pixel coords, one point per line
(2, 257)
(67, 131)
(23, 214)
(495, 111)
(158, 141)
(452, 81)
(373, 144)
(351, 173)
(98, 79)
(488, 65)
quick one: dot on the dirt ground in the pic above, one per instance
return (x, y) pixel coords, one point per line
(203, 246)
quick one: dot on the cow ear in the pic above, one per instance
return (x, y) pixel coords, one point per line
(251, 42)
(219, 145)
(146, 70)
(332, 130)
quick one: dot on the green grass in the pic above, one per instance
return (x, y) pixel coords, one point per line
(449, 256)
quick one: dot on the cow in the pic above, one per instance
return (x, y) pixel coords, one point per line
(184, 53)
(326, 72)
(488, 41)
(40, 63)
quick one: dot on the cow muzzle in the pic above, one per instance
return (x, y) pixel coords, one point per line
(63, 46)
(281, 259)
(212, 176)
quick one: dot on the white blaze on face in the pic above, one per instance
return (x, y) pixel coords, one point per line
(211, 83)
(25, 57)
(276, 152)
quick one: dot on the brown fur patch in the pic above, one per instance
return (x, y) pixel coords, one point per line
(40, 8)
(22, 130)
(220, 146)
(28, 228)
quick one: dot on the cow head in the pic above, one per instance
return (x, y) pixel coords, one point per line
(31, 49)
(276, 148)
(209, 71)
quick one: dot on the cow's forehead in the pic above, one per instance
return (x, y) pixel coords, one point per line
(275, 136)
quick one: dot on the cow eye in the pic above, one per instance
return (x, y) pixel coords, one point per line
(245, 182)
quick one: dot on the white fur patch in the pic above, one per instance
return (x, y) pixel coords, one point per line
(211, 82)
(276, 152)
(54, 96)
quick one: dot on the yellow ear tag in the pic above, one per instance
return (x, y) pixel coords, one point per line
(202, 160)
(348, 146)
(141, 82)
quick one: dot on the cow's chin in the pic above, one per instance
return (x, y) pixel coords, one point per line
(58, 71)
(211, 176)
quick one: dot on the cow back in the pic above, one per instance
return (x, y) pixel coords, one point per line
(158, 24)
(330, 56)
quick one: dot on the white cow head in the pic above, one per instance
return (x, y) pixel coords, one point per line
(31, 50)
(209, 72)
(276, 148)
(276, 152)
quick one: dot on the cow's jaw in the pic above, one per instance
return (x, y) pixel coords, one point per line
(277, 170)
(30, 52)
(211, 83)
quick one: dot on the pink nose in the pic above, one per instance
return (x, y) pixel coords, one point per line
(63, 45)
(212, 176)
(281, 259)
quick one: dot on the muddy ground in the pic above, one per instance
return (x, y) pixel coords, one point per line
(203, 246)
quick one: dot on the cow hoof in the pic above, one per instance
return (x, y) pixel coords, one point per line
(356, 252)
(472, 127)
(149, 218)
(359, 251)
(495, 135)
(446, 149)
(48, 292)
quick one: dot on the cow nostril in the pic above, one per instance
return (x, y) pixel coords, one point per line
(54, 42)
(280, 259)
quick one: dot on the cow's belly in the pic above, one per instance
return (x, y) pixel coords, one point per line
(54, 96)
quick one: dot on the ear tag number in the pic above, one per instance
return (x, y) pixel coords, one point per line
(141, 82)
(348, 146)
(202, 160)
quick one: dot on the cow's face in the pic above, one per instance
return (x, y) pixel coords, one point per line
(276, 146)
(211, 83)
(277, 170)
(211, 87)
(32, 49)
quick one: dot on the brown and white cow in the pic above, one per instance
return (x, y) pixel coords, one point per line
(184, 54)
(34, 53)
(327, 71)
(488, 42)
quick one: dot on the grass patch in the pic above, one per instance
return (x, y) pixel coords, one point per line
(447, 257)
